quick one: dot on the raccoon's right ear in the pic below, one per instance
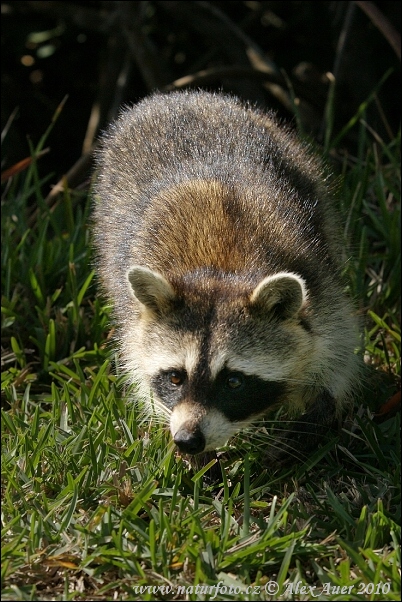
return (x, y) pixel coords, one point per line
(282, 294)
(151, 289)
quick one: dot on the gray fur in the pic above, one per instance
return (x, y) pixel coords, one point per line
(218, 244)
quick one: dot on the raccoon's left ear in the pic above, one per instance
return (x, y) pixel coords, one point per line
(151, 289)
(283, 294)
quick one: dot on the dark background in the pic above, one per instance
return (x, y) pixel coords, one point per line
(103, 54)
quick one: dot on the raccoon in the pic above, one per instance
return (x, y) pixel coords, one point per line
(218, 244)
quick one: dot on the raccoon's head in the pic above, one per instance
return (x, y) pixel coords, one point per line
(217, 352)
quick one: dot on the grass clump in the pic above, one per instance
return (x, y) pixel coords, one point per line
(97, 505)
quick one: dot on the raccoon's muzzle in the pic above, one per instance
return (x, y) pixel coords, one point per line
(189, 440)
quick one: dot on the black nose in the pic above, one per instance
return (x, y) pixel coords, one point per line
(189, 442)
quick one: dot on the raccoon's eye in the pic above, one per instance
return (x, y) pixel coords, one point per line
(175, 377)
(234, 381)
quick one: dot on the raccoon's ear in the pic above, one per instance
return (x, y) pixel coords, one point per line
(151, 289)
(283, 294)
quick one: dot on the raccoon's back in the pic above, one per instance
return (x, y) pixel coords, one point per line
(194, 180)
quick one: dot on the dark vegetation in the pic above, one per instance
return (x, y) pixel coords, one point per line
(103, 54)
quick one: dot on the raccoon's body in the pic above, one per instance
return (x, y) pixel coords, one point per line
(217, 244)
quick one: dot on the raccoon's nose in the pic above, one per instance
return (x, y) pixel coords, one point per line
(189, 441)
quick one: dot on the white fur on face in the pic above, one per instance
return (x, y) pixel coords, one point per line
(217, 429)
(266, 366)
(269, 364)
(180, 354)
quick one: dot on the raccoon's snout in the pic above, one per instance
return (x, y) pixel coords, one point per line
(189, 440)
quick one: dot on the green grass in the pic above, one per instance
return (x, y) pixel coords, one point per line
(96, 502)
